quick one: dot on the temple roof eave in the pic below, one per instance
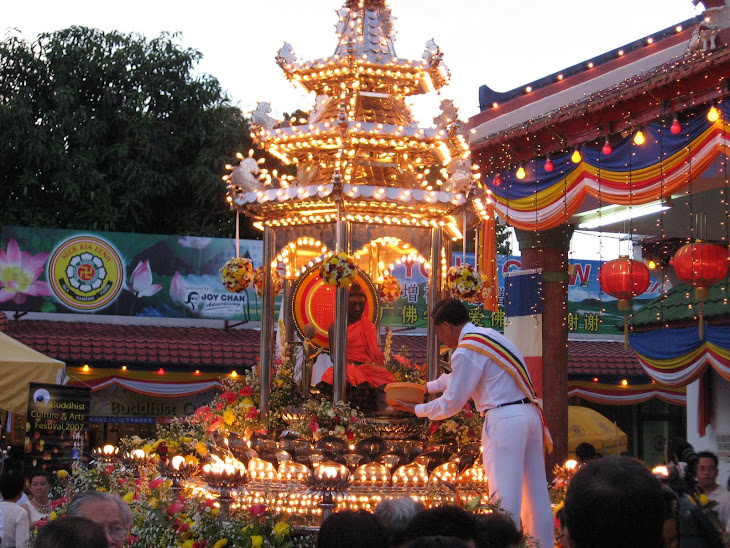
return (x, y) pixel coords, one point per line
(321, 74)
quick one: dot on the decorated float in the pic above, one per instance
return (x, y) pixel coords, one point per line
(371, 188)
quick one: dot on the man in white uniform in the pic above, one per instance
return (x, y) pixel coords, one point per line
(489, 369)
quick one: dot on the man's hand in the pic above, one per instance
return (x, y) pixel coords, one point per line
(401, 405)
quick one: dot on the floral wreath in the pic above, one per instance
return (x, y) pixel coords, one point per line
(237, 274)
(390, 289)
(276, 281)
(338, 270)
(465, 283)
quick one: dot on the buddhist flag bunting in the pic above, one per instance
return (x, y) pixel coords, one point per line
(523, 319)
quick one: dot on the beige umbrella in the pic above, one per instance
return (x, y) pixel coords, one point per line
(587, 425)
(20, 365)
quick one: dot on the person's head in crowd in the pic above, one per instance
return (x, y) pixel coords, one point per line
(443, 521)
(449, 316)
(107, 510)
(585, 452)
(707, 470)
(497, 530)
(39, 484)
(354, 529)
(71, 532)
(614, 502)
(437, 542)
(395, 514)
(12, 483)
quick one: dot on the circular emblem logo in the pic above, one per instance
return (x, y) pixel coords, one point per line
(85, 273)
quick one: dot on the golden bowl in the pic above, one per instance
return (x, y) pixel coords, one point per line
(409, 392)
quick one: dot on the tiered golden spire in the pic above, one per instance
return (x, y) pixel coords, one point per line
(361, 145)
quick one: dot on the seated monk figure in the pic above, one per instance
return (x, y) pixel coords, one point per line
(365, 361)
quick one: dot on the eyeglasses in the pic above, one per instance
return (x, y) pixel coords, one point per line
(117, 532)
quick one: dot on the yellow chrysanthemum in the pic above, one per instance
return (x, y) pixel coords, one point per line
(187, 544)
(192, 459)
(62, 474)
(185, 439)
(147, 448)
(256, 541)
(201, 448)
(229, 417)
(128, 497)
(281, 529)
(153, 502)
(221, 543)
(53, 515)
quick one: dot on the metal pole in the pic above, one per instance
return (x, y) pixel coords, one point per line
(339, 352)
(267, 326)
(434, 290)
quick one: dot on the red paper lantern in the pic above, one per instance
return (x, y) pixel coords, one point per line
(701, 265)
(624, 279)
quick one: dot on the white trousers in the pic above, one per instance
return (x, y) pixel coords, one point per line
(514, 461)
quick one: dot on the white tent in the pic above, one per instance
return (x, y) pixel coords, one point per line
(20, 365)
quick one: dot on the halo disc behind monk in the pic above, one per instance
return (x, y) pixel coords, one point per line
(313, 301)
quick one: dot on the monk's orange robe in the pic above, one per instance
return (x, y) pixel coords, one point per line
(365, 361)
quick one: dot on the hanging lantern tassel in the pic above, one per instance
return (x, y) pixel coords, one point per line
(702, 320)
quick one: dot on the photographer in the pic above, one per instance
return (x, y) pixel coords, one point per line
(691, 521)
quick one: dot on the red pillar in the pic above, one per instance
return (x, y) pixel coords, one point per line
(548, 251)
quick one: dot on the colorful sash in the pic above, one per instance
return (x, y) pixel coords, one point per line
(515, 368)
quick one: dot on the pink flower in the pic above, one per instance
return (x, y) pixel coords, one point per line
(245, 391)
(59, 502)
(19, 271)
(257, 510)
(229, 396)
(140, 282)
(313, 426)
(155, 483)
(175, 508)
(194, 242)
(177, 288)
(252, 413)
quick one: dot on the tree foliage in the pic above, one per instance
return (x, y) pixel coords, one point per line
(110, 131)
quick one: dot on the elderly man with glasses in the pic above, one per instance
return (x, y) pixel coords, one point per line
(107, 510)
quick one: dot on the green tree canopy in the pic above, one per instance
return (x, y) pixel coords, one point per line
(110, 131)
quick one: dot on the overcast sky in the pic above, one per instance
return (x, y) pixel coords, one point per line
(503, 44)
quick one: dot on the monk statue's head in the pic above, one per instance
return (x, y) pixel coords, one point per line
(355, 303)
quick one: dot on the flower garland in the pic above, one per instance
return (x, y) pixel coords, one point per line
(324, 418)
(486, 289)
(464, 282)
(276, 281)
(338, 270)
(465, 427)
(390, 289)
(237, 274)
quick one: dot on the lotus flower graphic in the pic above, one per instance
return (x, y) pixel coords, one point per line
(19, 271)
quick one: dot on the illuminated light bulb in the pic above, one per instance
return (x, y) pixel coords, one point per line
(197, 372)
(676, 126)
(651, 265)
(639, 138)
(520, 173)
(576, 157)
(160, 371)
(607, 148)
(713, 115)
(234, 374)
(624, 382)
(549, 165)
(124, 368)
(86, 368)
(595, 379)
